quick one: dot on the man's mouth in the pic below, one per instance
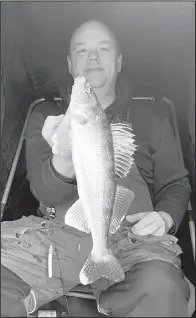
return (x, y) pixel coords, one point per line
(93, 69)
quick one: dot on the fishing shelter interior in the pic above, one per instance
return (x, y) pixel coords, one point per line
(157, 42)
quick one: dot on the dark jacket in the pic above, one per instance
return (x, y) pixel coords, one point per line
(158, 158)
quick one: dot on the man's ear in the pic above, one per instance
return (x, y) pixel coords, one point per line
(119, 63)
(69, 64)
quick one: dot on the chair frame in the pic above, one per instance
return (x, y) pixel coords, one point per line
(74, 293)
(176, 131)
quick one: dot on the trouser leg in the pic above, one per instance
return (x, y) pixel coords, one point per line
(13, 292)
(151, 289)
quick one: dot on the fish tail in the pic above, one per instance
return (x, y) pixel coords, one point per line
(106, 266)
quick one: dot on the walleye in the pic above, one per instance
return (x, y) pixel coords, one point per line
(102, 205)
(93, 159)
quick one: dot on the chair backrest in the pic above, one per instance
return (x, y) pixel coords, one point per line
(165, 105)
(187, 149)
(174, 119)
(18, 153)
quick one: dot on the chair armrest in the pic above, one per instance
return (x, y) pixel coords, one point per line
(191, 212)
(191, 227)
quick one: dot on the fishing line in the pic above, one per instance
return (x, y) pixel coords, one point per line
(63, 287)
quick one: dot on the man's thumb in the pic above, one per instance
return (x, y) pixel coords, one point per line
(135, 217)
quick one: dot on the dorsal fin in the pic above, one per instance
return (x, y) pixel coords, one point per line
(124, 148)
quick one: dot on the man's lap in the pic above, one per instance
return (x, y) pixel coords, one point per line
(24, 250)
(151, 280)
(27, 255)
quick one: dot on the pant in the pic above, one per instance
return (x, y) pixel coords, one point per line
(13, 292)
(24, 250)
(151, 289)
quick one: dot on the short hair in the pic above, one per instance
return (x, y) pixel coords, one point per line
(99, 23)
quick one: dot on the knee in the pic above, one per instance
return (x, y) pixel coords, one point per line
(150, 286)
(155, 275)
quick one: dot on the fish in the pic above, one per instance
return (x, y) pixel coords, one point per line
(102, 205)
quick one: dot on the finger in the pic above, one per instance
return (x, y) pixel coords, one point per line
(54, 138)
(67, 115)
(148, 219)
(55, 149)
(160, 231)
(150, 229)
(135, 217)
(58, 119)
(50, 125)
(60, 150)
(62, 144)
(53, 121)
(62, 132)
(59, 136)
(66, 120)
(145, 221)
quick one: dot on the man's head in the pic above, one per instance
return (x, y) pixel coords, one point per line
(94, 54)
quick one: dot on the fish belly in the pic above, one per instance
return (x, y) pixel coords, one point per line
(94, 168)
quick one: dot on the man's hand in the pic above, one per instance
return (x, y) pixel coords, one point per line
(59, 139)
(155, 223)
(50, 125)
(62, 136)
(57, 132)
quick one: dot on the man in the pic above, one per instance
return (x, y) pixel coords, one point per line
(154, 284)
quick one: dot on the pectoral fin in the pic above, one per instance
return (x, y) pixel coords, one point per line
(75, 217)
(124, 148)
(123, 200)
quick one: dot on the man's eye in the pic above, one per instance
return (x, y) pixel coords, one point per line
(104, 49)
(82, 51)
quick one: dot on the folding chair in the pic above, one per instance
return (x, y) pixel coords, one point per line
(175, 127)
(171, 113)
(81, 291)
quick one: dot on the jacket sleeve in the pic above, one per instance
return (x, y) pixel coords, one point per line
(171, 184)
(46, 184)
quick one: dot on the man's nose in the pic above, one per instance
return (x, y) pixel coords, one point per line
(93, 56)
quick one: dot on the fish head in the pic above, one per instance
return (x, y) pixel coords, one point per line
(85, 107)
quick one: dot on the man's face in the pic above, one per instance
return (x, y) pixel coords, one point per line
(94, 55)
